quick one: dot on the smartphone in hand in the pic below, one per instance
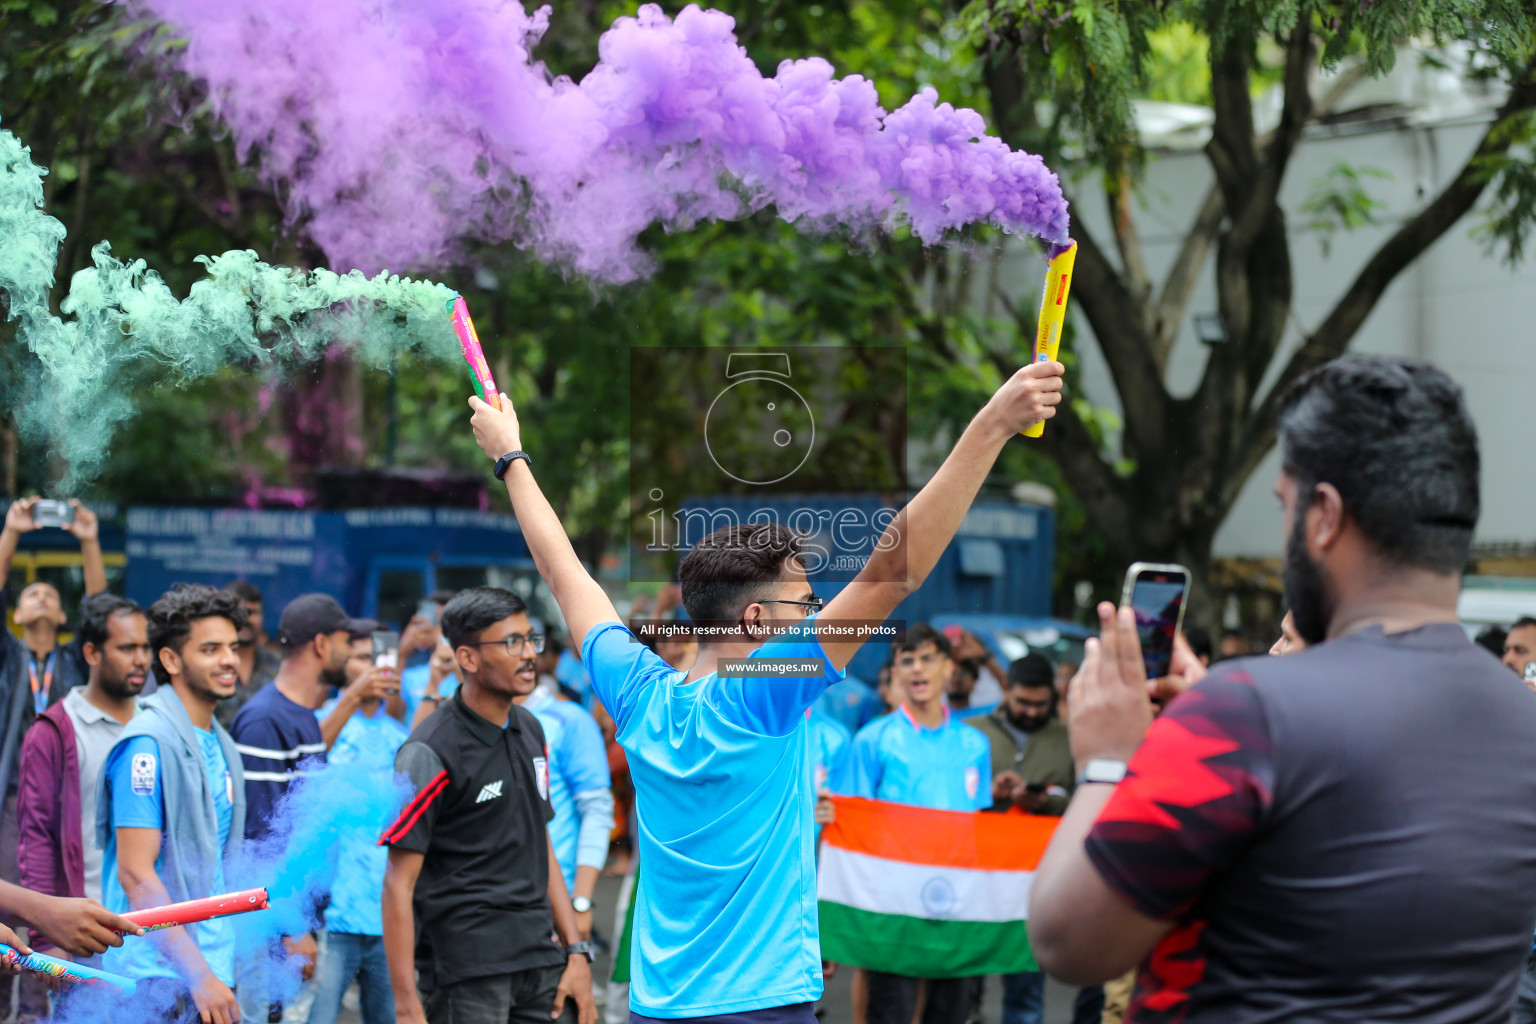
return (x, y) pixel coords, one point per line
(386, 648)
(1156, 592)
(53, 513)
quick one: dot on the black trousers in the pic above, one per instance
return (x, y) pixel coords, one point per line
(522, 997)
(893, 999)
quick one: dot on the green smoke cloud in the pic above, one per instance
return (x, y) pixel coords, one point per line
(124, 329)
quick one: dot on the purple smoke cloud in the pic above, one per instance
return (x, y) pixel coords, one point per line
(397, 127)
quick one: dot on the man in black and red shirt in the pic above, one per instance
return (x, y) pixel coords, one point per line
(478, 925)
(1347, 834)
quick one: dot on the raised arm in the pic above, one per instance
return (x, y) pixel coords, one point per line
(87, 530)
(911, 545)
(581, 599)
(18, 520)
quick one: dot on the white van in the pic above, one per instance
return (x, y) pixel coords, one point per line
(1495, 601)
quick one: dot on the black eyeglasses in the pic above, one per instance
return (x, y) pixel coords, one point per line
(513, 642)
(814, 603)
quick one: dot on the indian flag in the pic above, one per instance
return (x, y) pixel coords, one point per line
(925, 893)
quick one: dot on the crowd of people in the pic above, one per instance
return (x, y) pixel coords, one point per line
(1204, 867)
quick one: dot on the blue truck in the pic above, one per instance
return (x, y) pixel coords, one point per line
(379, 562)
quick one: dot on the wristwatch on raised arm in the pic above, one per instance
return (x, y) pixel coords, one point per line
(581, 904)
(1102, 770)
(583, 948)
(505, 462)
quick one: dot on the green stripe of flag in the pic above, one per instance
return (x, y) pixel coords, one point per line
(923, 948)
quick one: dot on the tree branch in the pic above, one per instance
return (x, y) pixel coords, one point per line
(1184, 275)
(1407, 244)
(1111, 310)
(1117, 192)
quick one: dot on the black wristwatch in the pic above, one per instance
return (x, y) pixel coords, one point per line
(505, 462)
(583, 948)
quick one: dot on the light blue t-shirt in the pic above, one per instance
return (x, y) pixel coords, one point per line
(571, 673)
(578, 762)
(725, 916)
(948, 768)
(852, 703)
(134, 768)
(830, 744)
(368, 741)
(413, 683)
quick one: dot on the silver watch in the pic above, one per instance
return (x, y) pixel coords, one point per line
(581, 904)
(1102, 770)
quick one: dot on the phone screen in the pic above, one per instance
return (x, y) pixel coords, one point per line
(1157, 597)
(429, 610)
(386, 649)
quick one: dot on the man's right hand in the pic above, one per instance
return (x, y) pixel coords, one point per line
(1006, 786)
(375, 684)
(412, 1014)
(215, 1001)
(18, 518)
(80, 927)
(1029, 396)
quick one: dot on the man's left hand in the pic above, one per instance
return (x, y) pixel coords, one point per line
(1031, 799)
(303, 946)
(1108, 707)
(825, 812)
(576, 984)
(86, 528)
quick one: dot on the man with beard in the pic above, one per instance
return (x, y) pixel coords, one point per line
(170, 815)
(474, 897)
(66, 748)
(1347, 833)
(280, 739)
(1031, 774)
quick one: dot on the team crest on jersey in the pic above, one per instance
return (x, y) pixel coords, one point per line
(972, 781)
(141, 774)
(541, 775)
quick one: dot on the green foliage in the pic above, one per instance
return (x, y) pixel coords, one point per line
(1338, 201)
(1507, 224)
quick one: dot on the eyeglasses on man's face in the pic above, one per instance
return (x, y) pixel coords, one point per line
(514, 643)
(810, 604)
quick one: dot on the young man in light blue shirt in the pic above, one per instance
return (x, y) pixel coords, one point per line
(354, 924)
(726, 916)
(171, 809)
(922, 754)
(580, 791)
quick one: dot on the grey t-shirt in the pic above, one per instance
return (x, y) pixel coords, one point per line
(1345, 835)
(96, 732)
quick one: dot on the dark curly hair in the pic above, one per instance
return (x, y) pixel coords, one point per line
(171, 618)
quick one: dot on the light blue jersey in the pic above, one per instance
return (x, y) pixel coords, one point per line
(830, 744)
(725, 917)
(852, 703)
(134, 768)
(948, 768)
(413, 683)
(368, 742)
(578, 763)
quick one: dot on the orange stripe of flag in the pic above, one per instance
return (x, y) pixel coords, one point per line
(920, 835)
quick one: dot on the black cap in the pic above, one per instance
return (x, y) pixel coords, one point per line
(308, 616)
(363, 629)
